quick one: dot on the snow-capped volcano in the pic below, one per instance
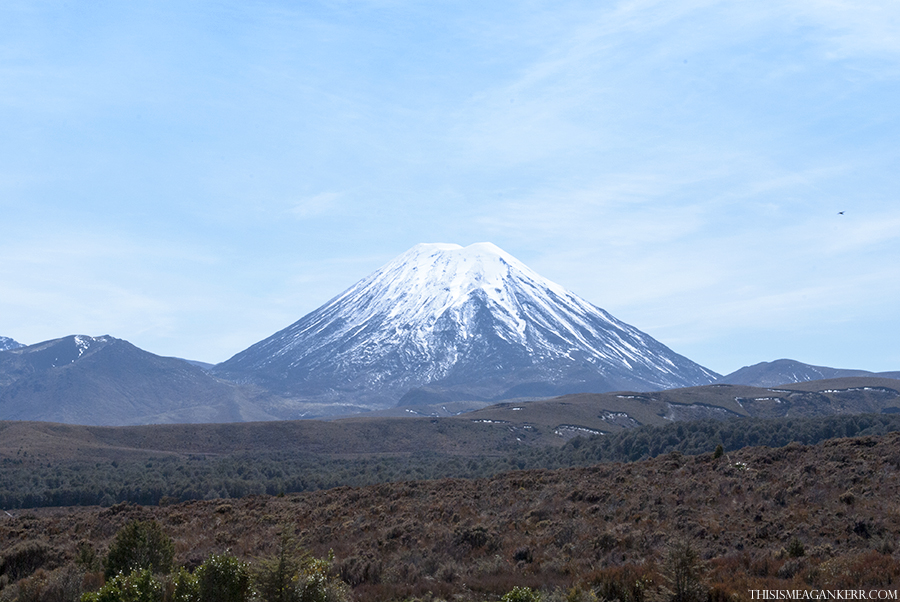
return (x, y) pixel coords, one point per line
(468, 322)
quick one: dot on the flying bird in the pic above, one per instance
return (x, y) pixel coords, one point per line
(840, 213)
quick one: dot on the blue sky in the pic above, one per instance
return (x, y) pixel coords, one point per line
(194, 176)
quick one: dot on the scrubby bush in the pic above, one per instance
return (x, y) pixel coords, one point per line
(182, 587)
(795, 548)
(223, 578)
(315, 584)
(521, 594)
(60, 585)
(622, 584)
(140, 545)
(138, 586)
(88, 559)
(24, 558)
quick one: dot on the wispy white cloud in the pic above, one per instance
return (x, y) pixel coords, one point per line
(853, 29)
(611, 80)
(315, 205)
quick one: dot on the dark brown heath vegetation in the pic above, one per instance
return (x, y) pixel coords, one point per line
(822, 516)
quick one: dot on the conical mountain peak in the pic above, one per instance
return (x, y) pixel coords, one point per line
(473, 321)
(418, 287)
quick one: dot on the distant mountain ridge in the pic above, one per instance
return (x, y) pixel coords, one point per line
(458, 322)
(592, 413)
(786, 371)
(8, 343)
(439, 331)
(107, 381)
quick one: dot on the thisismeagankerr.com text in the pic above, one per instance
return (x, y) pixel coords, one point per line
(823, 594)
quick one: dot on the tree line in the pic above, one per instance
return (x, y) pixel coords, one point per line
(26, 482)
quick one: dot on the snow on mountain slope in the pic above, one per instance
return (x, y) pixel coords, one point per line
(473, 321)
(7, 343)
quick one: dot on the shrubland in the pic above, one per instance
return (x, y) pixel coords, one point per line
(707, 527)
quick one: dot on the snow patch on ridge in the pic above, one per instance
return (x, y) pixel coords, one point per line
(7, 343)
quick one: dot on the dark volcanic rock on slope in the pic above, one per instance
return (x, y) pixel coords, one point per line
(785, 371)
(107, 381)
(460, 323)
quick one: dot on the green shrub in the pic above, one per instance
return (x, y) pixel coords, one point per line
(795, 548)
(182, 587)
(223, 578)
(521, 594)
(314, 584)
(138, 586)
(140, 545)
(88, 559)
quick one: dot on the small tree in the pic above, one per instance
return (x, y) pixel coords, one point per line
(683, 571)
(140, 545)
(275, 577)
(297, 576)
